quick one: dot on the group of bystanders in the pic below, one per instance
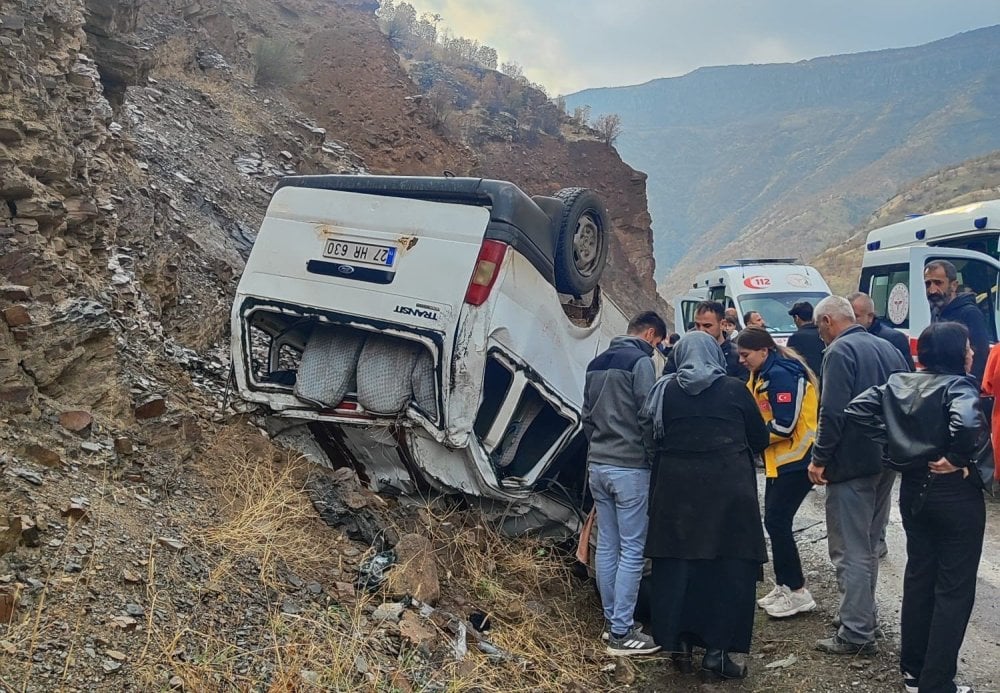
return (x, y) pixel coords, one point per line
(672, 473)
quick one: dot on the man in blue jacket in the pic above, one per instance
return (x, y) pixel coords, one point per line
(619, 462)
(947, 305)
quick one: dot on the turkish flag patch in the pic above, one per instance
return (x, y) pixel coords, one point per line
(784, 398)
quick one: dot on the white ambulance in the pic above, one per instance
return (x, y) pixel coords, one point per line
(417, 329)
(895, 256)
(766, 286)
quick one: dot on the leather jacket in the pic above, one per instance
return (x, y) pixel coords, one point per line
(923, 416)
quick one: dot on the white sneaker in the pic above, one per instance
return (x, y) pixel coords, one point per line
(910, 683)
(789, 603)
(768, 598)
(964, 689)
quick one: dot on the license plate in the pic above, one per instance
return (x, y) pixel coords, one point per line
(363, 253)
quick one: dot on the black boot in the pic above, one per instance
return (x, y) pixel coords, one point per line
(718, 665)
(682, 659)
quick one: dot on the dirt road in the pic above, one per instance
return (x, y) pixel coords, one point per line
(786, 646)
(980, 656)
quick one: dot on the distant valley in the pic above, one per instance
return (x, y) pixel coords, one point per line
(790, 159)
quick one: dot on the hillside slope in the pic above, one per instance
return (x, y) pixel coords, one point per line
(764, 159)
(151, 538)
(971, 181)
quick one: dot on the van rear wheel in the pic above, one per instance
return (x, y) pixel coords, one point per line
(582, 245)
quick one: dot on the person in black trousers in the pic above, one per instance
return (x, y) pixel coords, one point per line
(785, 391)
(936, 435)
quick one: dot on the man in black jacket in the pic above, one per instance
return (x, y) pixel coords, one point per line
(864, 312)
(805, 340)
(947, 305)
(849, 463)
(708, 317)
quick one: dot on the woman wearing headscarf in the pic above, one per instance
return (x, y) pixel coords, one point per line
(933, 427)
(785, 390)
(705, 536)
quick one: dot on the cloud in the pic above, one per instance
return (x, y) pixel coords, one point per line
(568, 45)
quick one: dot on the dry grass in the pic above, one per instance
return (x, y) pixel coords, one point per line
(264, 508)
(546, 620)
(224, 626)
(524, 585)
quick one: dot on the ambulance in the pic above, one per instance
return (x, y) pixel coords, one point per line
(895, 256)
(766, 286)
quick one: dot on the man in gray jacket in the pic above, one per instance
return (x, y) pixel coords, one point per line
(619, 461)
(849, 463)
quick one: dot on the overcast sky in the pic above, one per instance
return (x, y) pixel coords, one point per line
(568, 45)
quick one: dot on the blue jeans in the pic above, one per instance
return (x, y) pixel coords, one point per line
(621, 497)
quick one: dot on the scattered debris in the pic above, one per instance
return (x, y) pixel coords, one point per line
(372, 573)
(171, 543)
(782, 663)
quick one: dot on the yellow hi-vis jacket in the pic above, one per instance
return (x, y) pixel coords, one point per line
(790, 406)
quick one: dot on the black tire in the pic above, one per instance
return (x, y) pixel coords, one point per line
(584, 233)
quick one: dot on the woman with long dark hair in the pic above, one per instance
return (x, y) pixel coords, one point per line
(786, 394)
(935, 433)
(705, 537)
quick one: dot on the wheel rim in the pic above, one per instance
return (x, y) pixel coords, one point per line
(587, 243)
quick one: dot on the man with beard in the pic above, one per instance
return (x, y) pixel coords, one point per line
(947, 305)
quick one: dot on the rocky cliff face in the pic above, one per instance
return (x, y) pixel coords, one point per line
(136, 160)
(58, 162)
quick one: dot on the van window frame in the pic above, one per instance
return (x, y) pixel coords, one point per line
(524, 384)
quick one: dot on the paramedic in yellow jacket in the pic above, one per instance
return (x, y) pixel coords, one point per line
(786, 393)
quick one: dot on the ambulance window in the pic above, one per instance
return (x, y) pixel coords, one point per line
(982, 243)
(979, 279)
(717, 293)
(889, 287)
(687, 314)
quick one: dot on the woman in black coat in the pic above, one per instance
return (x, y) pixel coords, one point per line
(935, 433)
(705, 536)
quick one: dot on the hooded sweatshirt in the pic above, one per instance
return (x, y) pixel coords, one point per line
(618, 381)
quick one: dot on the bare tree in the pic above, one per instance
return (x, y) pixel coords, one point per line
(512, 69)
(609, 127)
(441, 100)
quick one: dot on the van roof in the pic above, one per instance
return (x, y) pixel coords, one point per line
(920, 228)
(795, 276)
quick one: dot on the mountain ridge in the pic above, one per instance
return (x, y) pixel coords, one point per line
(788, 158)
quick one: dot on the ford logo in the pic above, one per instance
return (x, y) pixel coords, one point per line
(345, 269)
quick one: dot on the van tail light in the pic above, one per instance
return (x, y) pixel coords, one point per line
(913, 352)
(484, 276)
